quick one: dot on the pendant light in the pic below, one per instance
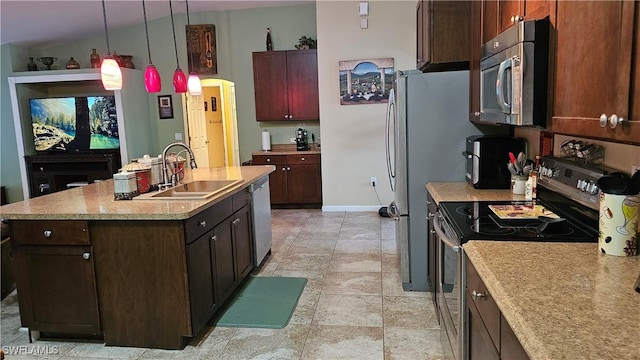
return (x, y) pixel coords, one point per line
(179, 79)
(152, 81)
(194, 85)
(110, 73)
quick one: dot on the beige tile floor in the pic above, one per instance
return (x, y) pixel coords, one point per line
(353, 306)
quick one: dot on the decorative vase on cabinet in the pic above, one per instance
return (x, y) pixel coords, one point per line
(95, 59)
(32, 66)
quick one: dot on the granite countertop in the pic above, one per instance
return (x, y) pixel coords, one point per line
(563, 300)
(288, 149)
(96, 201)
(462, 191)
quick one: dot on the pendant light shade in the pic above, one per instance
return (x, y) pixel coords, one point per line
(110, 73)
(195, 88)
(152, 81)
(179, 78)
(179, 81)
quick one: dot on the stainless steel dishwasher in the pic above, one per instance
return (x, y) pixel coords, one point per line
(261, 216)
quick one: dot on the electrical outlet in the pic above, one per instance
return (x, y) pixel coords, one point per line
(373, 181)
(293, 140)
(634, 168)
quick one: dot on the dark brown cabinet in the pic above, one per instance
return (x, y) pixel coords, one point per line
(596, 60)
(55, 275)
(286, 85)
(201, 265)
(489, 334)
(443, 35)
(297, 179)
(51, 173)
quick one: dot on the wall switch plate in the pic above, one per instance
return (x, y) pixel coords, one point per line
(363, 9)
(178, 136)
(364, 23)
(293, 140)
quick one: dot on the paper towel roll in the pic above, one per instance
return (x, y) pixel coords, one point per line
(266, 141)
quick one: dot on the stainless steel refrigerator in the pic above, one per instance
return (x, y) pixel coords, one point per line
(427, 125)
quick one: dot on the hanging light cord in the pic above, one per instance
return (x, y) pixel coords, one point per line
(146, 29)
(188, 40)
(104, 14)
(175, 46)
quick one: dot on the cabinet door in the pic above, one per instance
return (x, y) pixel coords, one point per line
(475, 47)
(490, 26)
(304, 184)
(510, 347)
(509, 13)
(270, 85)
(421, 36)
(480, 345)
(57, 288)
(200, 266)
(223, 255)
(243, 241)
(302, 83)
(278, 185)
(593, 75)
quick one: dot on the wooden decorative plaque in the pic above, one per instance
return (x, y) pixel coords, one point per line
(201, 49)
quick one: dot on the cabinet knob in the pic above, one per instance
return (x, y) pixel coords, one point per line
(284, 169)
(203, 223)
(288, 168)
(477, 113)
(290, 116)
(236, 221)
(430, 215)
(603, 120)
(302, 159)
(47, 233)
(621, 121)
(613, 121)
(268, 160)
(214, 238)
(433, 232)
(286, 116)
(476, 294)
(86, 256)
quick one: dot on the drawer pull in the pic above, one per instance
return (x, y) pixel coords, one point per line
(86, 256)
(203, 223)
(477, 294)
(236, 221)
(214, 238)
(47, 233)
(302, 159)
(268, 160)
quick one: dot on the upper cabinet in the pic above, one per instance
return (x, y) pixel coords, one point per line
(443, 35)
(499, 15)
(596, 57)
(286, 85)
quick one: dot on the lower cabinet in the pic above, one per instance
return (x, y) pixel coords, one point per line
(432, 241)
(55, 275)
(297, 179)
(489, 334)
(201, 267)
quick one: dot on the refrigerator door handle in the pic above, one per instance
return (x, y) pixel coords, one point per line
(391, 164)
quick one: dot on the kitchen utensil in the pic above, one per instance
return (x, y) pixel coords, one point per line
(526, 170)
(545, 221)
(512, 169)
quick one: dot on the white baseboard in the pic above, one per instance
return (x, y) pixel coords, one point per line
(351, 208)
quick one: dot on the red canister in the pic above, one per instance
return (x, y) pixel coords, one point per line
(143, 175)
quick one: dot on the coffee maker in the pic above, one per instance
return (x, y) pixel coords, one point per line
(302, 143)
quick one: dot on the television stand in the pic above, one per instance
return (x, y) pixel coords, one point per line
(49, 173)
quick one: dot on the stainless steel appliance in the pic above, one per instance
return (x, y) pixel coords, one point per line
(564, 187)
(302, 141)
(513, 75)
(425, 133)
(487, 159)
(261, 216)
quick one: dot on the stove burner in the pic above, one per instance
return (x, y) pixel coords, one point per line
(464, 210)
(550, 231)
(490, 228)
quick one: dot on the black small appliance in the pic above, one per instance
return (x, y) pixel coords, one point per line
(302, 143)
(487, 159)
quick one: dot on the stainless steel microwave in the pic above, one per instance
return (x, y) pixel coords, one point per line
(514, 75)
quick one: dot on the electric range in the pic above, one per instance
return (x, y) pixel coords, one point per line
(566, 190)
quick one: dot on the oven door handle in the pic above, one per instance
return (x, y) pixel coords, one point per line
(442, 237)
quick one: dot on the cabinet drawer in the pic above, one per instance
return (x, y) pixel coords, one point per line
(303, 159)
(44, 232)
(241, 199)
(489, 311)
(269, 159)
(205, 220)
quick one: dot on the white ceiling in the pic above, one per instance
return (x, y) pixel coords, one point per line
(38, 22)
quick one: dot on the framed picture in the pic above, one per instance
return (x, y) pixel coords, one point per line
(214, 105)
(365, 81)
(201, 49)
(165, 107)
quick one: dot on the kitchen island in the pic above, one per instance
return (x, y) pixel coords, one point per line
(143, 273)
(563, 301)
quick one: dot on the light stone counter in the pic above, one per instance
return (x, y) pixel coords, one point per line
(96, 201)
(462, 191)
(563, 301)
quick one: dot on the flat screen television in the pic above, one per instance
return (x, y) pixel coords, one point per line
(74, 124)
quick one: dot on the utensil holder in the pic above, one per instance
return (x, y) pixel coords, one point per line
(618, 224)
(518, 184)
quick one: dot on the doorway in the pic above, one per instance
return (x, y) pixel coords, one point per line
(211, 124)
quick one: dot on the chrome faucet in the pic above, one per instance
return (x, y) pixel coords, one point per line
(165, 171)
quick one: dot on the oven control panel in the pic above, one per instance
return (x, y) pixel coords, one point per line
(572, 179)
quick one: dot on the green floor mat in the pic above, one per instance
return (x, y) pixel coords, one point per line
(263, 302)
